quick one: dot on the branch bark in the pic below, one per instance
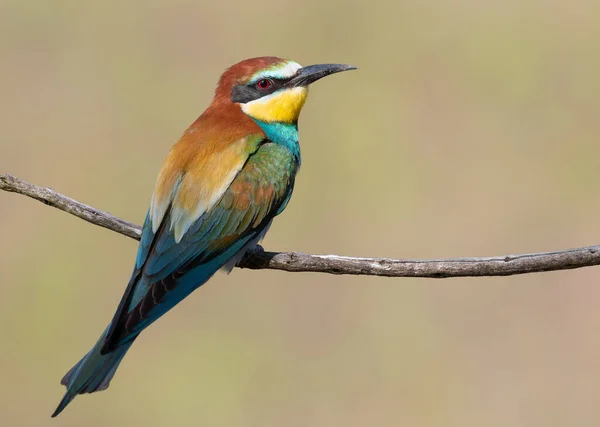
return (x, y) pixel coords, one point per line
(505, 265)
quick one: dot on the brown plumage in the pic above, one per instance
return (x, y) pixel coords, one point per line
(210, 152)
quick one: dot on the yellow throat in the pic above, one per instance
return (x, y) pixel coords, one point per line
(283, 106)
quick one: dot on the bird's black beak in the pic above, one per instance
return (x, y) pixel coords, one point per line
(312, 73)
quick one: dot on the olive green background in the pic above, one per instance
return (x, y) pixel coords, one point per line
(471, 129)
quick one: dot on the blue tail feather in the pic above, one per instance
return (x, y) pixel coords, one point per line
(92, 373)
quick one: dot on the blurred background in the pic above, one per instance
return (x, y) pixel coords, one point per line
(471, 129)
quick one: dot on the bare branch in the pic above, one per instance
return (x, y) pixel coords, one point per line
(51, 198)
(333, 264)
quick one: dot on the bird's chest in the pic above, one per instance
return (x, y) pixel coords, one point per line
(274, 164)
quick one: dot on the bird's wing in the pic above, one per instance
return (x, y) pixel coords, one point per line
(190, 243)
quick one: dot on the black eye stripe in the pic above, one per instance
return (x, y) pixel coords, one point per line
(249, 92)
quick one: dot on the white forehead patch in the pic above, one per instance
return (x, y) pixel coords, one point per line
(281, 71)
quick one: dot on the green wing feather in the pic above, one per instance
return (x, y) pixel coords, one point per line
(171, 270)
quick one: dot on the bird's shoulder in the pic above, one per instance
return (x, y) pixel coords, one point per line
(195, 174)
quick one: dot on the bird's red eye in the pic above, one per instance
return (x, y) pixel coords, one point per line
(264, 84)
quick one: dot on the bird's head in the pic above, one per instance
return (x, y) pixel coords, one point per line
(270, 89)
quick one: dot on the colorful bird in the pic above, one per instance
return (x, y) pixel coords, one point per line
(218, 190)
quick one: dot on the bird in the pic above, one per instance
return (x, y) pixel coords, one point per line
(217, 192)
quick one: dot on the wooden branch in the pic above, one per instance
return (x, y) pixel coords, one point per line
(333, 264)
(51, 198)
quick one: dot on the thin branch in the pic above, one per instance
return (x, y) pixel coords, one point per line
(299, 262)
(51, 198)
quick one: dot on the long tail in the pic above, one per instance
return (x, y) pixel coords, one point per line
(92, 373)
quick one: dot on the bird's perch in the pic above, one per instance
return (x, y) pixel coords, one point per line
(333, 264)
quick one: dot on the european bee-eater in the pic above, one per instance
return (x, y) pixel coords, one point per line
(218, 190)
